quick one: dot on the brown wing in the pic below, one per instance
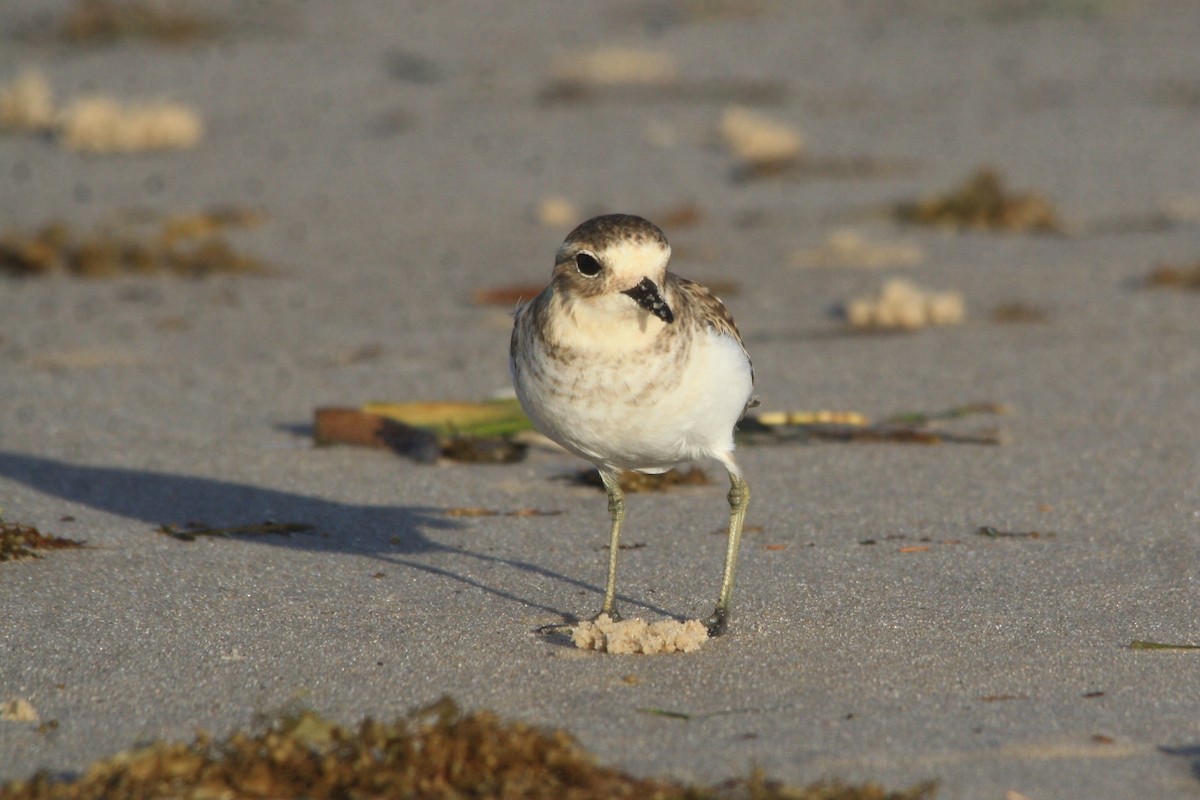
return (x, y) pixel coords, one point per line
(708, 308)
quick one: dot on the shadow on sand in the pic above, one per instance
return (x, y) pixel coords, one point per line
(394, 534)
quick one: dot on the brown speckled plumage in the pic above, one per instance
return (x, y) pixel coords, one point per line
(633, 367)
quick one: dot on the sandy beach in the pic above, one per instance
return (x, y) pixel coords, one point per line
(955, 611)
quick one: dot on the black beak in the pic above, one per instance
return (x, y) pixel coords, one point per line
(647, 296)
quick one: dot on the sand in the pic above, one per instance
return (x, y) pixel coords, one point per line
(398, 152)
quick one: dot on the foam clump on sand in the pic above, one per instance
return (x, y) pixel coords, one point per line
(638, 636)
(758, 140)
(26, 103)
(902, 305)
(101, 125)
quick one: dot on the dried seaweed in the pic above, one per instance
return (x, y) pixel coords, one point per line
(992, 533)
(19, 541)
(438, 752)
(107, 21)
(642, 482)
(190, 245)
(1167, 276)
(982, 202)
(476, 433)
(190, 531)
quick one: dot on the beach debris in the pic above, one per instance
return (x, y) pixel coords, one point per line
(847, 248)
(645, 482)
(190, 531)
(821, 417)
(1167, 276)
(427, 431)
(635, 635)
(438, 751)
(333, 425)
(107, 21)
(775, 427)
(955, 412)
(993, 533)
(18, 541)
(557, 211)
(648, 76)
(99, 124)
(760, 144)
(614, 66)
(982, 202)
(18, 709)
(27, 104)
(901, 305)
(491, 512)
(1018, 312)
(189, 245)
(1141, 644)
(457, 417)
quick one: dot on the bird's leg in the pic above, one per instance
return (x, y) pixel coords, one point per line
(739, 496)
(616, 511)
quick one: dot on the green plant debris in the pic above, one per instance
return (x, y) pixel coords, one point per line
(190, 245)
(910, 427)
(190, 531)
(982, 202)
(19, 541)
(663, 712)
(926, 417)
(458, 418)
(1140, 644)
(992, 533)
(641, 482)
(438, 752)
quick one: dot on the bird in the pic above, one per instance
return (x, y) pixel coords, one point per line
(632, 367)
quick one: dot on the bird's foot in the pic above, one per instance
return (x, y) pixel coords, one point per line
(611, 613)
(718, 623)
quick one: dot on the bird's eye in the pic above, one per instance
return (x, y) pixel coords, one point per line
(587, 264)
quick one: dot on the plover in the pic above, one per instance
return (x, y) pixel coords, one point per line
(634, 368)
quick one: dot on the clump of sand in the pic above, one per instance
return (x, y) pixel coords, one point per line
(26, 104)
(97, 124)
(638, 636)
(847, 248)
(901, 305)
(102, 125)
(616, 66)
(759, 142)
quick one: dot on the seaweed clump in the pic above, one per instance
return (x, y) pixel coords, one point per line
(437, 753)
(190, 245)
(19, 541)
(983, 202)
